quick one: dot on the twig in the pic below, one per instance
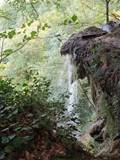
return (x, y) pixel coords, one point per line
(86, 5)
(86, 95)
(34, 9)
(20, 47)
(14, 51)
(2, 46)
(52, 36)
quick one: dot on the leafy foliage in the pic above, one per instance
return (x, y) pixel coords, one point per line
(23, 111)
(31, 34)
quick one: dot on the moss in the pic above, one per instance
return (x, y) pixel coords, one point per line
(106, 111)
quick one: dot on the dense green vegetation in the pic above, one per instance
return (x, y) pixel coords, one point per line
(33, 75)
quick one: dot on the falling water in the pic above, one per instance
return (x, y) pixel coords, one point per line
(70, 117)
(72, 87)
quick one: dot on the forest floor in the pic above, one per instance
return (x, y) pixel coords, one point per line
(44, 144)
(46, 147)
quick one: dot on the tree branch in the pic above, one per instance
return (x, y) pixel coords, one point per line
(13, 51)
(34, 9)
(84, 92)
(2, 46)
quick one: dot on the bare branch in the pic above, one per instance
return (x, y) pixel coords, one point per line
(13, 51)
(2, 46)
(34, 8)
(84, 92)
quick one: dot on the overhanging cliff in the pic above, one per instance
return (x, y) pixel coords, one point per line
(96, 55)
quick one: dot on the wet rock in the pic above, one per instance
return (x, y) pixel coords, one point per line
(96, 130)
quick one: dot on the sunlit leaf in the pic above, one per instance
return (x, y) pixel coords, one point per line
(33, 34)
(74, 18)
(11, 34)
(8, 52)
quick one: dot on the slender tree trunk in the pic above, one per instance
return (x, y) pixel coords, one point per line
(107, 10)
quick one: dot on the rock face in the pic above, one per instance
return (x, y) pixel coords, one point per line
(96, 55)
(78, 46)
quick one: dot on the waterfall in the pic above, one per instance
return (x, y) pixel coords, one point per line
(72, 101)
(72, 87)
(70, 118)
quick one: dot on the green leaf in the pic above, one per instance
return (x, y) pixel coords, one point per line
(23, 26)
(7, 52)
(45, 26)
(28, 138)
(30, 22)
(65, 22)
(11, 34)
(12, 136)
(74, 18)
(8, 149)
(3, 35)
(24, 38)
(17, 128)
(4, 140)
(19, 44)
(33, 34)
